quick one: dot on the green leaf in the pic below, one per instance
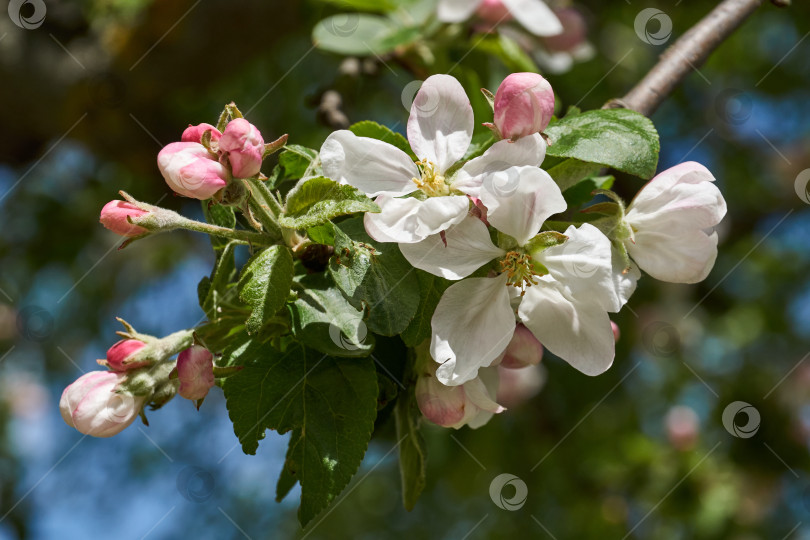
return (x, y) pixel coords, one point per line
(218, 286)
(507, 51)
(322, 234)
(364, 5)
(569, 172)
(480, 144)
(317, 200)
(618, 138)
(328, 403)
(377, 275)
(324, 320)
(374, 130)
(412, 448)
(356, 34)
(299, 161)
(431, 289)
(583, 191)
(265, 284)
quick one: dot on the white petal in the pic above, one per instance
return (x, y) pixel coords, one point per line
(675, 256)
(465, 248)
(682, 196)
(372, 166)
(499, 157)
(441, 123)
(472, 325)
(624, 284)
(452, 11)
(578, 332)
(535, 16)
(583, 264)
(520, 199)
(480, 392)
(410, 220)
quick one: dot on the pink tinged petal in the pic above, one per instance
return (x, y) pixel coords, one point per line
(410, 220)
(465, 248)
(517, 386)
(579, 332)
(616, 331)
(676, 257)
(440, 404)
(242, 146)
(524, 105)
(493, 11)
(574, 31)
(114, 217)
(481, 393)
(523, 350)
(583, 264)
(374, 167)
(535, 16)
(195, 370)
(119, 354)
(472, 325)
(92, 405)
(441, 123)
(195, 133)
(527, 151)
(520, 199)
(452, 11)
(190, 170)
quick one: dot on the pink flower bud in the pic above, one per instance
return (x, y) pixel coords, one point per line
(573, 34)
(190, 170)
(195, 133)
(92, 405)
(616, 332)
(493, 11)
(118, 354)
(524, 350)
(242, 146)
(195, 369)
(114, 217)
(517, 386)
(470, 404)
(524, 104)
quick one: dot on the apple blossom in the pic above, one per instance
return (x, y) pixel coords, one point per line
(534, 15)
(119, 355)
(114, 217)
(195, 370)
(470, 404)
(92, 404)
(562, 291)
(517, 386)
(668, 224)
(439, 131)
(190, 170)
(195, 133)
(241, 146)
(523, 350)
(524, 105)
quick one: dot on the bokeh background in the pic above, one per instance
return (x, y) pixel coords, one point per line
(91, 95)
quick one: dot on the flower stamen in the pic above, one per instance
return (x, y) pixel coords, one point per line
(519, 270)
(432, 183)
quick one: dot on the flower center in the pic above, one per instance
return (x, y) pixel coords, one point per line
(519, 269)
(432, 182)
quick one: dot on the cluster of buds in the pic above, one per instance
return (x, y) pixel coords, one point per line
(104, 403)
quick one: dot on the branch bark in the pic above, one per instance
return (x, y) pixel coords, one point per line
(686, 54)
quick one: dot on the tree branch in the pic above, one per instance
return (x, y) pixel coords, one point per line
(686, 54)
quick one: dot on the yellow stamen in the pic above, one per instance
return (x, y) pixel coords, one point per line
(432, 183)
(519, 270)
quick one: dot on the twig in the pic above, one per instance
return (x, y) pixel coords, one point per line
(688, 53)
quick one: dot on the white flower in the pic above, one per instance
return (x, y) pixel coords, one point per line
(471, 404)
(534, 15)
(561, 293)
(670, 224)
(439, 131)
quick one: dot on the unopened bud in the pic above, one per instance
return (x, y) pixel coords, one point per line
(195, 370)
(93, 405)
(524, 105)
(114, 217)
(242, 146)
(119, 355)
